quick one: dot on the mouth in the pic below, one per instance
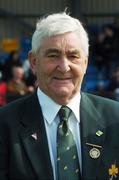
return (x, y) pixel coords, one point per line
(62, 79)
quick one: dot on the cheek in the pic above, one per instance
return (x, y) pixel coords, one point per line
(82, 68)
(45, 69)
(79, 70)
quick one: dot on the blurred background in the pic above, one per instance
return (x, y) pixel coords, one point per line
(17, 23)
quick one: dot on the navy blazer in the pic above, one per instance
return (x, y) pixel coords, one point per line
(25, 157)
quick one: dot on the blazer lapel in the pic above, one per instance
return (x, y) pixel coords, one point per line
(34, 139)
(92, 137)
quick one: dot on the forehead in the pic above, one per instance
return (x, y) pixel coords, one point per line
(63, 42)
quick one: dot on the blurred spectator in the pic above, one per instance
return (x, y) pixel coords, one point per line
(100, 89)
(31, 79)
(29, 76)
(26, 67)
(98, 51)
(113, 86)
(104, 50)
(13, 59)
(16, 86)
(3, 89)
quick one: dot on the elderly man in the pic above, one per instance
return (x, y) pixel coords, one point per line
(59, 132)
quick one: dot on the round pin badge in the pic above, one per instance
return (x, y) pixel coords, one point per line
(94, 153)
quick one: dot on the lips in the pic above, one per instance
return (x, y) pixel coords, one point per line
(66, 78)
(63, 79)
(58, 81)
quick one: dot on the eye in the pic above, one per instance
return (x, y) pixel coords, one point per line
(53, 55)
(74, 56)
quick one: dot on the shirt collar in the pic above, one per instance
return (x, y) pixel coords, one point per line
(74, 105)
(51, 108)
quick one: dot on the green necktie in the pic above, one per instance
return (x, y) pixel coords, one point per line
(67, 158)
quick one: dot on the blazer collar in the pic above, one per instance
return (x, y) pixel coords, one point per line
(92, 136)
(34, 139)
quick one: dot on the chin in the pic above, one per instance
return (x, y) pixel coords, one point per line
(62, 93)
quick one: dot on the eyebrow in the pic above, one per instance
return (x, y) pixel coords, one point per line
(58, 51)
(52, 50)
(73, 51)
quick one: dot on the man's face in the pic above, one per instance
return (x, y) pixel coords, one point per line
(60, 66)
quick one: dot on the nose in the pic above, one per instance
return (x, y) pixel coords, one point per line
(63, 65)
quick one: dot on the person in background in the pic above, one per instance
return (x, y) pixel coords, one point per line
(13, 59)
(16, 86)
(30, 78)
(3, 91)
(104, 51)
(113, 86)
(59, 132)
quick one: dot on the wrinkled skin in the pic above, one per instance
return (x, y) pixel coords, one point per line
(59, 65)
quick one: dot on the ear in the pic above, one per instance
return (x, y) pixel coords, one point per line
(32, 61)
(86, 64)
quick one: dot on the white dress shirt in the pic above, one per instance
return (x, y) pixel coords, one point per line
(50, 110)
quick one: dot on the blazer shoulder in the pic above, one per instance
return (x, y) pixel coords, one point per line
(106, 108)
(17, 107)
(101, 102)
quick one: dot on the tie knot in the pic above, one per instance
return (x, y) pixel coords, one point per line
(64, 113)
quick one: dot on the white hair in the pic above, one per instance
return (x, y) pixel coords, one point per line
(56, 24)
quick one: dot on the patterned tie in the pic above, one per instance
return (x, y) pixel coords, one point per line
(67, 158)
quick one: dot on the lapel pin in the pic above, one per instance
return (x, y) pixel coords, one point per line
(113, 172)
(99, 133)
(94, 145)
(94, 153)
(34, 136)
